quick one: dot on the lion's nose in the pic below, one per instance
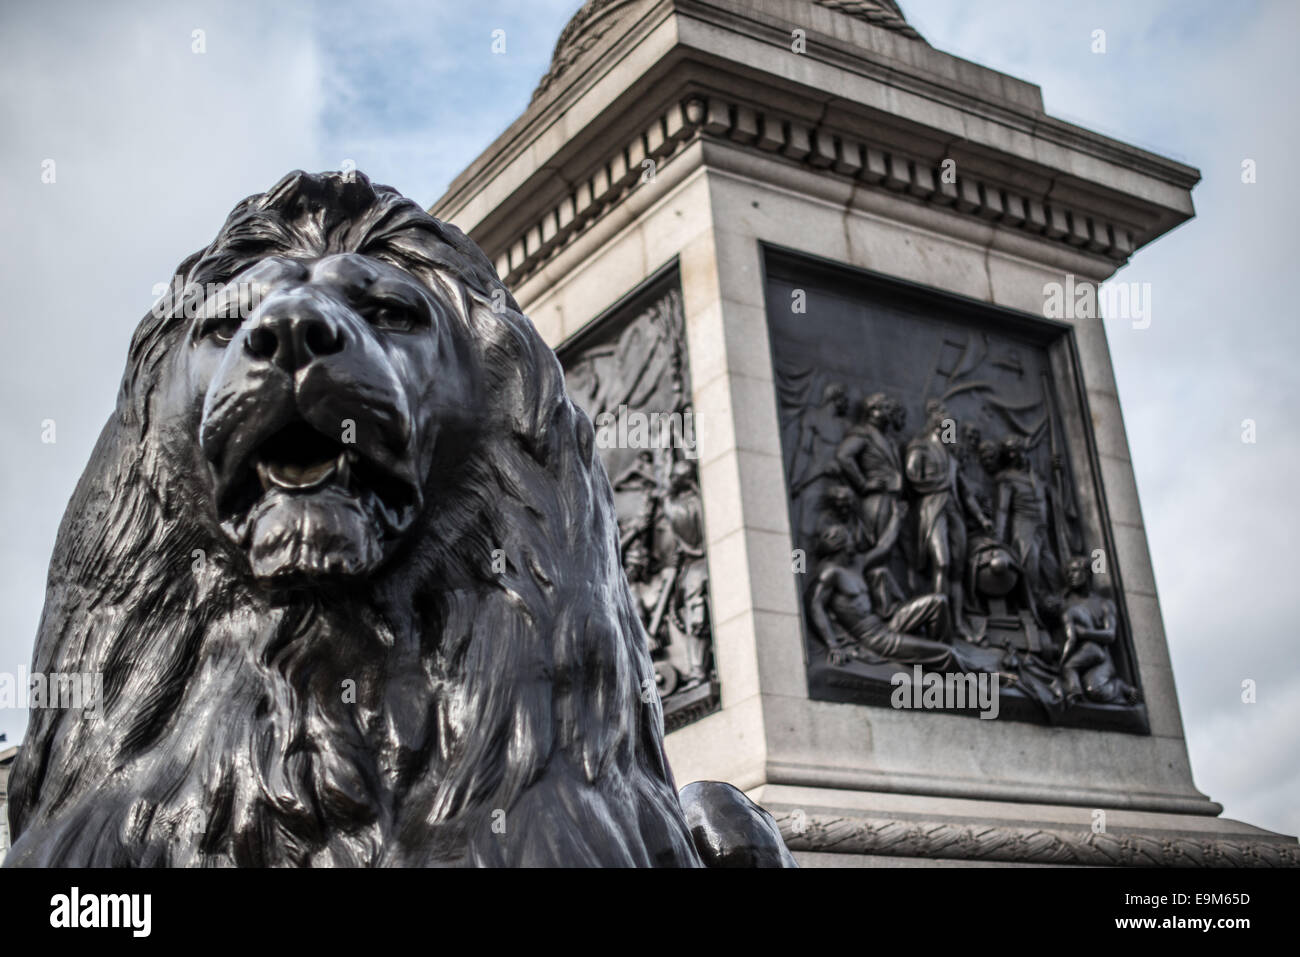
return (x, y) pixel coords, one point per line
(293, 332)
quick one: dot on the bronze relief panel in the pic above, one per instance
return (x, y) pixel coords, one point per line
(630, 372)
(952, 549)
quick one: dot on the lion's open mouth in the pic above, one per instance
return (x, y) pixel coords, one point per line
(299, 460)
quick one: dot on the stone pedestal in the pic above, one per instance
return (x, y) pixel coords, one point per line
(724, 147)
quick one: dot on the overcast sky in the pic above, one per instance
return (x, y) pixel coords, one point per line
(153, 144)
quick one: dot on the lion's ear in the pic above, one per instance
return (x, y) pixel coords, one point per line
(545, 406)
(149, 341)
(523, 376)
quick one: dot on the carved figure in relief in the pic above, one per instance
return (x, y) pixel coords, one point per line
(944, 501)
(1091, 624)
(843, 616)
(1021, 509)
(869, 461)
(685, 515)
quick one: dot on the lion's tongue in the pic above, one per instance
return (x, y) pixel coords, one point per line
(292, 476)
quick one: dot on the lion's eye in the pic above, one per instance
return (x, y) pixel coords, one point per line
(221, 328)
(392, 318)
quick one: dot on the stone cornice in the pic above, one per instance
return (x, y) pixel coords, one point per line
(857, 159)
(661, 82)
(931, 75)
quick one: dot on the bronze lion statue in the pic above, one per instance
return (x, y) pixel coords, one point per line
(348, 566)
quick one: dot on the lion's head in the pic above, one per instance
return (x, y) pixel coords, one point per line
(349, 569)
(322, 413)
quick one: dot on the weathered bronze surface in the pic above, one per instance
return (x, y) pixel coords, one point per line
(348, 562)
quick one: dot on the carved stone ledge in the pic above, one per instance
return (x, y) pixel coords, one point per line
(612, 181)
(1022, 845)
(823, 150)
(866, 162)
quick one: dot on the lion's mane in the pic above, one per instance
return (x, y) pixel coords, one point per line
(497, 663)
